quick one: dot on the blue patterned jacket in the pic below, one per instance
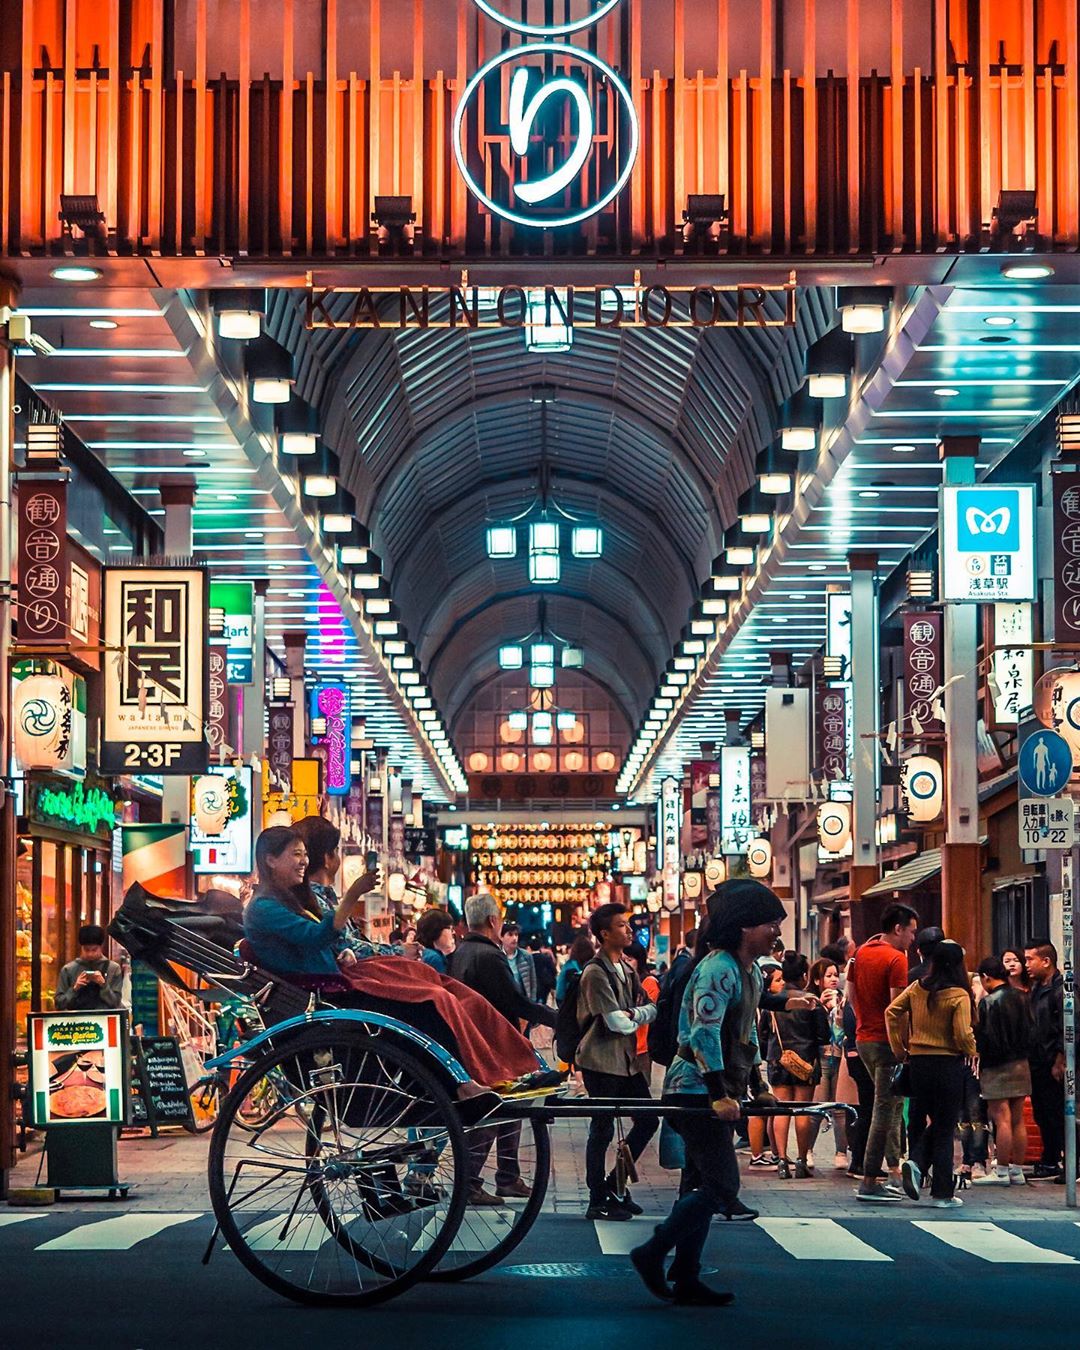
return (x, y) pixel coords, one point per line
(715, 986)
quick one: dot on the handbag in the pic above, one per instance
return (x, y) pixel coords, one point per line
(790, 1061)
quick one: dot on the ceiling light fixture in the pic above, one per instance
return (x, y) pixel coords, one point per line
(1018, 271)
(501, 541)
(75, 272)
(863, 308)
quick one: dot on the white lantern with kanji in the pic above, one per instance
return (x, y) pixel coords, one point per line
(210, 804)
(42, 722)
(923, 784)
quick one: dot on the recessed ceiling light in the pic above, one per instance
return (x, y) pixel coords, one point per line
(1018, 271)
(999, 321)
(946, 392)
(797, 595)
(103, 323)
(817, 567)
(295, 595)
(903, 449)
(75, 272)
(995, 337)
(869, 493)
(225, 496)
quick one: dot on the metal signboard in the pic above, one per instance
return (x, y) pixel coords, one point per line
(79, 1067)
(333, 702)
(280, 742)
(923, 674)
(43, 562)
(237, 600)
(988, 542)
(1012, 668)
(832, 721)
(156, 680)
(1044, 764)
(1066, 493)
(229, 851)
(1047, 822)
(669, 829)
(217, 707)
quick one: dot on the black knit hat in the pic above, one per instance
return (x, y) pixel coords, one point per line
(744, 903)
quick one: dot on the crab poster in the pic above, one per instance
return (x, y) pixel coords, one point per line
(78, 1067)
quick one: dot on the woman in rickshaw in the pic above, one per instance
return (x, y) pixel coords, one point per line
(291, 935)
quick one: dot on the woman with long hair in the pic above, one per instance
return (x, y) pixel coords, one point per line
(582, 951)
(929, 1024)
(804, 1033)
(825, 983)
(1015, 970)
(1004, 1035)
(316, 892)
(294, 940)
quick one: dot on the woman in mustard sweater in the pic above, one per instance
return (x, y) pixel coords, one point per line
(929, 1025)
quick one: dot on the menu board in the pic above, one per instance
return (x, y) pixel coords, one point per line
(158, 1073)
(77, 1067)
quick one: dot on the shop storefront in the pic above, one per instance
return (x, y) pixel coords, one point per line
(64, 878)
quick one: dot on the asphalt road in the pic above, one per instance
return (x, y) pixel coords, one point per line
(137, 1284)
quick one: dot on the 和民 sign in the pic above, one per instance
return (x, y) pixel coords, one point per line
(988, 542)
(156, 676)
(333, 702)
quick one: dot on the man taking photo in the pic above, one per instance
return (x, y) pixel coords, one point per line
(91, 982)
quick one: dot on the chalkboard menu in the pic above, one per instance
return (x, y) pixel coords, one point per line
(158, 1077)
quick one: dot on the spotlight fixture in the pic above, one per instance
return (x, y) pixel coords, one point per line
(829, 364)
(863, 308)
(298, 428)
(269, 367)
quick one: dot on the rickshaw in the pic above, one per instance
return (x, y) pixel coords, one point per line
(355, 1184)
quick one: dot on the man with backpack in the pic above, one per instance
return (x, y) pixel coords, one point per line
(610, 1009)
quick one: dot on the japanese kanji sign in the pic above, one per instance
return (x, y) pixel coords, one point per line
(156, 675)
(217, 710)
(735, 827)
(43, 565)
(280, 743)
(988, 542)
(332, 702)
(922, 674)
(1012, 670)
(831, 756)
(1066, 488)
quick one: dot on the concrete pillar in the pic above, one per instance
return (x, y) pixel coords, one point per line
(178, 500)
(961, 870)
(254, 737)
(866, 717)
(294, 666)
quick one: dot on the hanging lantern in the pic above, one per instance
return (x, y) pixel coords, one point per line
(42, 721)
(923, 785)
(654, 901)
(1042, 697)
(834, 826)
(691, 886)
(279, 818)
(716, 873)
(1065, 709)
(759, 858)
(395, 887)
(478, 762)
(210, 804)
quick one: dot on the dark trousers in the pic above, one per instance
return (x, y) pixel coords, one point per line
(974, 1127)
(1048, 1108)
(937, 1093)
(711, 1185)
(507, 1141)
(602, 1128)
(864, 1085)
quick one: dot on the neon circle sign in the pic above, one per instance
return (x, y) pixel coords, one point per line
(547, 30)
(523, 111)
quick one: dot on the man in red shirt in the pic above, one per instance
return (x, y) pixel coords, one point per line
(878, 974)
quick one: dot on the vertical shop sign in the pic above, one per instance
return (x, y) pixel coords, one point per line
(735, 830)
(669, 828)
(236, 599)
(758, 795)
(832, 717)
(701, 770)
(217, 707)
(1012, 670)
(332, 702)
(280, 747)
(43, 568)
(712, 820)
(375, 819)
(922, 674)
(1066, 492)
(156, 678)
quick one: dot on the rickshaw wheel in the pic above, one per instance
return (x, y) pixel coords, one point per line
(352, 1189)
(486, 1236)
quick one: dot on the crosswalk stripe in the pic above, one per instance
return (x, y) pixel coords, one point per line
(6, 1219)
(618, 1238)
(114, 1235)
(991, 1243)
(306, 1234)
(819, 1240)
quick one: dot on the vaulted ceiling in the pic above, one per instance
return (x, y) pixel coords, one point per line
(650, 433)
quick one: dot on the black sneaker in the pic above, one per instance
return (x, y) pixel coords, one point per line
(694, 1294)
(612, 1213)
(737, 1212)
(1044, 1172)
(650, 1266)
(625, 1202)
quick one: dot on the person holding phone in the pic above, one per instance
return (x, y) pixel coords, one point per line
(293, 936)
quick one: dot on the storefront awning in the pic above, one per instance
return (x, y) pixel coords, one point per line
(910, 876)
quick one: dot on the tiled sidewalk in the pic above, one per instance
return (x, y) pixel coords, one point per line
(168, 1174)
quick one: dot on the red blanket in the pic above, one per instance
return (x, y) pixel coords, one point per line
(491, 1050)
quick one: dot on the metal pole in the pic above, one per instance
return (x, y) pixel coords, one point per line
(8, 297)
(1068, 874)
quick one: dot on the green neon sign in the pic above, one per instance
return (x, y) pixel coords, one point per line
(78, 808)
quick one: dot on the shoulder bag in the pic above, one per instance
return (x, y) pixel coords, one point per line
(791, 1062)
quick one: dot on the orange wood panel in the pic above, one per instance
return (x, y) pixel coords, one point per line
(761, 146)
(986, 137)
(157, 122)
(1071, 204)
(678, 160)
(69, 97)
(853, 125)
(419, 114)
(896, 98)
(333, 173)
(375, 105)
(178, 218)
(810, 124)
(309, 162)
(29, 162)
(285, 120)
(942, 160)
(110, 186)
(723, 115)
(202, 159)
(243, 149)
(5, 158)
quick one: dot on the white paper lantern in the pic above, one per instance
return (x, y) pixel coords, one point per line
(691, 886)
(923, 785)
(759, 858)
(42, 722)
(210, 803)
(715, 873)
(834, 826)
(1065, 709)
(395, 887)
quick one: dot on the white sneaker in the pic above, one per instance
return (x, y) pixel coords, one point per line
(954, 1202)
(978, 1172)
(1016, 1175)
(993, 1179)
(840, 1162)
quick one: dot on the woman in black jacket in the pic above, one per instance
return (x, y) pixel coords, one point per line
(1003, 1036)
(804, 1032)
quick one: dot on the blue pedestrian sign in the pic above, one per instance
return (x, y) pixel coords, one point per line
(1045, 764)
